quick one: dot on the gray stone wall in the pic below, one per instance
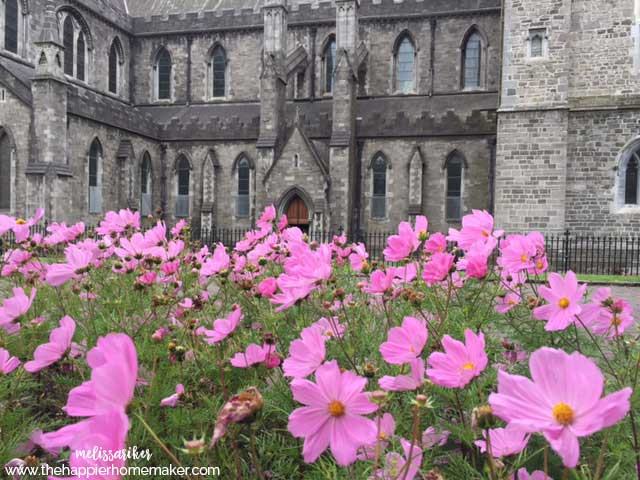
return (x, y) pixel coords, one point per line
(531, 168)
(15, 119)
(475, 179)
(114, 174)
(104, 25)
(596, 142)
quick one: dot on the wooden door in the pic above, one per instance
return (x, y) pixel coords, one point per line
(297, 212)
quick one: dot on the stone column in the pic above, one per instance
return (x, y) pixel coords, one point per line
(343, 145)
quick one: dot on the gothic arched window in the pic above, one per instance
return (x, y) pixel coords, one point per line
(11, 19)
(218, 72)
(631, 181)
(5, 170)
(163, 69)
(80, 67)
(114, 66)
(145, 185)
(379, 187)
(183, 177)
(244, 188)
(453, 207)
(68, 41)
(95, 183)
(329, 65)
(405, 65)
(472, 61)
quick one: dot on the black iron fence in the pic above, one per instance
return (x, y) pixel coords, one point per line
(586, 254)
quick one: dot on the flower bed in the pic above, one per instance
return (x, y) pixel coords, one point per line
(285, 358)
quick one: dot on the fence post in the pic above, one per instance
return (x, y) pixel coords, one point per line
(565, 250)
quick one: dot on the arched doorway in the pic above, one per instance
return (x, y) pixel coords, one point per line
(298, 213)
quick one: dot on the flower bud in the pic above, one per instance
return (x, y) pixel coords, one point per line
(482, 417)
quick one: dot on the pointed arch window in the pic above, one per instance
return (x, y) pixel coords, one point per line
(145, 185)
(183, 179)
(95, 183)
(81, 48)
(5, 170)
(379, 187)
(329, 65)
(405, 65)
(631, 180)
(68, 42)
(472, 61)
(218, 72)
(244, 188)
(11, 19)
(114, 67)
(163, 69)
(453, 205)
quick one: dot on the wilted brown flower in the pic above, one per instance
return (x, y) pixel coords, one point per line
(240, 408)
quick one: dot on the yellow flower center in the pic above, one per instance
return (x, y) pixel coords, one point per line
(329, 333)
(511, 301)
(563, 414)
(524, 258)
(336, 409)
(468, 366)
(564, 302)
(485, 233)
(382, 436)
(615, 321)
(539, 265)
(412, 349)
(20, 221)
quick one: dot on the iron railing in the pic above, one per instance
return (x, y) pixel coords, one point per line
(585, 254)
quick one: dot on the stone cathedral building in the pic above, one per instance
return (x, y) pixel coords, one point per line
(342, 113)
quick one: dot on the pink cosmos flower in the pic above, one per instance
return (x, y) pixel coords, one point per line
(506, 303)
(605, 315)
(537, 475)
(404, 344)
(564, 298)
(218, 262)
(401, 246)
(517, 253)
(175, 231)
(19, 226)
(147, 278)
(172, 400)
(14, 307)
(396, 465)
(437, 243)
(222, 327)
(7, 363)
(476, 228)
(380, 282)
(267, 287)
(504, 441)
(78, 260)
(306, 353)
(114, 371)
(255, 355)
(332, 415)
(118, 222)
(433, 438)
(268, 216)
(59, 343)
(460, 363)
(437, 268)
(102, 433)
(330, 327)
(359, 256)
(386, 431)
(563, 401)
(404, 383)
